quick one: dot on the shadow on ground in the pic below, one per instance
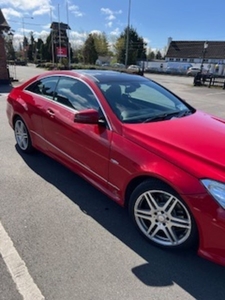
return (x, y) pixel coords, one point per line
(198, 277)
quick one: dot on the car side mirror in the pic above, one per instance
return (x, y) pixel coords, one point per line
(87, 116)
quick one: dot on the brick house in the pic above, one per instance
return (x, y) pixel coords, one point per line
(210, 54)
(4, 74)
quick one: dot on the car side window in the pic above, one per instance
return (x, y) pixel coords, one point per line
(75, 94)
(45, 87)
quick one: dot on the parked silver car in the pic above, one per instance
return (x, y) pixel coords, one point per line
(192, 71)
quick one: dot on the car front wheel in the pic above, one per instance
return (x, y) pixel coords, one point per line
(22, 136)
(162, 216)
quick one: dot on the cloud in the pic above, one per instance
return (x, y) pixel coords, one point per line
(47, 26)
(23, 8)
(8, 12)
(96, 32)
(26, 5)
(110, 15)
(77, 39)
(74, 9)
(42, 11)
(115, 32)
(146, 40)
(109, 24)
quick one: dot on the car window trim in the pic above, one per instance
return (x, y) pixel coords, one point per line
(108, 124)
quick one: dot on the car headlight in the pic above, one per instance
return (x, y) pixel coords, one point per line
(216, 189)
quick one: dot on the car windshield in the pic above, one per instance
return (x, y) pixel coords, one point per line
(143, 101)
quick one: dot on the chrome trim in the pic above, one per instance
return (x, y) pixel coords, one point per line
(115, 162)
(71, 109)
(112, 185)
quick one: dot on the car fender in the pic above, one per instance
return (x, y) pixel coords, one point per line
(130, 163)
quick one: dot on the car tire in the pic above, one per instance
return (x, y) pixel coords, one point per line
(22, 136)
(162, 217)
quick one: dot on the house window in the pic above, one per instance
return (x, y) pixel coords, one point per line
(171, 59)
(191, 60)
(184, 59)
(177, 59)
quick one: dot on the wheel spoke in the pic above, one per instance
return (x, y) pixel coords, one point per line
(23, 142)
(143, 214)
(155, 230)
(152, 225)
(170, 204)
(170, 235)
(20, 129)
(151, 201)
(180, 223)
(24, 136)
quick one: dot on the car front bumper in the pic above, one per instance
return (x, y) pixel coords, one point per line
(210, 219)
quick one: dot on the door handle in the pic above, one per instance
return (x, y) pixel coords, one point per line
(50, 113)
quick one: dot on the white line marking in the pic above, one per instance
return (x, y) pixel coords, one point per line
(17, 268)
(218, 93)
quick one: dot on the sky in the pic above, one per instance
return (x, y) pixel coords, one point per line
(155, 21)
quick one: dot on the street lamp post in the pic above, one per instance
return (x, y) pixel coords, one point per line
(203, 56)
(128, 33)
(24, 50)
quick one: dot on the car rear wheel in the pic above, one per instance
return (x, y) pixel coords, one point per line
(162, 216)
(22, 136)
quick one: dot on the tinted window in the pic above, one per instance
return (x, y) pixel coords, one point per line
(141, 100)
(75, 94)
(45, 86)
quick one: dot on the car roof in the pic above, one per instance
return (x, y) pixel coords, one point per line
(97, 76)
(104, 76)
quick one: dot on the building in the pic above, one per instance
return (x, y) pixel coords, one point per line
(4, 28)
(209, 54)
(60, 41)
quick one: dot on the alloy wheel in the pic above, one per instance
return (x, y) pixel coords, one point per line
(162, 218)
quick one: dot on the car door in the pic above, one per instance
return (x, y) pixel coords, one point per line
(83, 147)
(39, 93)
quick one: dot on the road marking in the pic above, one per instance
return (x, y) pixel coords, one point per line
(218, 93)
(17, 268)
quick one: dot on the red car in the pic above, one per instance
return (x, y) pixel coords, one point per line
(140, 144)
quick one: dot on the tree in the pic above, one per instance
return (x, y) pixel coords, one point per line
(89, 52)
(158, 55)
(25, 42)
(39, 46)
(48, 48)
(10, 52)
(136, 46)
(45, 54)
(78, 55)
(101, 44)
(151, 55)
(31, 48)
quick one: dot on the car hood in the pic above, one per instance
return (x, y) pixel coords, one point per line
(195, 143)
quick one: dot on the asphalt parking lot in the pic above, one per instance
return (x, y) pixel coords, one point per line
(61, 239)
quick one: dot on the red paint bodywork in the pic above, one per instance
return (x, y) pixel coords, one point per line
(179, 152)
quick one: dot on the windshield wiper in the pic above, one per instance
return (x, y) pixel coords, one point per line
(167, 116)
(184, 113)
